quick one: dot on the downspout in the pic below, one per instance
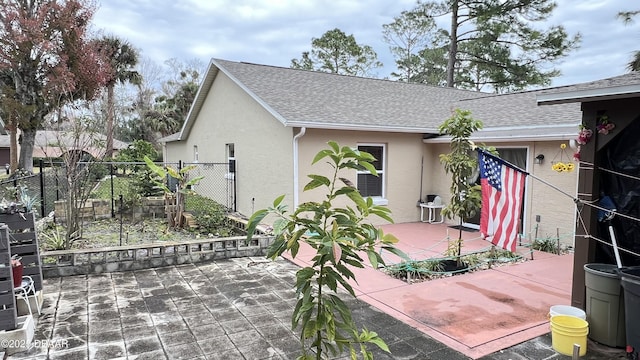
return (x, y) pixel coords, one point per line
(296, 196)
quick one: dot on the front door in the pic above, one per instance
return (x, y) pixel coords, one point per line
(515, 156)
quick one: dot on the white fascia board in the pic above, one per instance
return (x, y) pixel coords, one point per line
(517, 134)
(588, 94)
(354, 127)
(523, 138)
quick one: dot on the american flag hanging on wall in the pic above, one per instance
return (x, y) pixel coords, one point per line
(502, 188)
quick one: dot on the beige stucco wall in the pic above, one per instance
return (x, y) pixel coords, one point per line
(554, 205)
(402, 167)
(263, 146)
(556, 210)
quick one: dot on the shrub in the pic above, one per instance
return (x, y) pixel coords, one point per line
(98, 171)
(548, 244)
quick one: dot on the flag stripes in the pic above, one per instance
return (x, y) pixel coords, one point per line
(502, 189)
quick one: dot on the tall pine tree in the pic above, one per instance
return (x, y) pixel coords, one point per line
(498, 45)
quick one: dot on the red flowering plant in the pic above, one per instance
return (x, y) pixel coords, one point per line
(584, 135)
(576, 155)
(604, 125)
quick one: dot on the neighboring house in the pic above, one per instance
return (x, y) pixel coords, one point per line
(52, 144)
(610, 166)
(273, 120)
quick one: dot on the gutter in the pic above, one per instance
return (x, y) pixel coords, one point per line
(296, 195)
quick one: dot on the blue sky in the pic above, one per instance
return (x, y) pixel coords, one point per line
(272, 32)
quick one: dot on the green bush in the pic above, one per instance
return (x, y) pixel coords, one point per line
(548, 244)
(210, 216)
(142, 175)
(98, 171)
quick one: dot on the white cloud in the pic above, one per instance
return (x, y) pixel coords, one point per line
(274, 32)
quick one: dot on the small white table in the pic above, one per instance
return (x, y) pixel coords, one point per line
(432, 214)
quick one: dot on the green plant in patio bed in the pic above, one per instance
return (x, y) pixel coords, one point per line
(547, 244)
(338, 235)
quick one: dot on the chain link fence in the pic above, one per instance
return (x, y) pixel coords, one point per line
(50, 184)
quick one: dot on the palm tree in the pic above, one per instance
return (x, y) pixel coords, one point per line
(122, 58)
(634, 64)
(627, 17)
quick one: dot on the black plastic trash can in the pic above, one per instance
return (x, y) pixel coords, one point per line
(630, 281)
(605, 305)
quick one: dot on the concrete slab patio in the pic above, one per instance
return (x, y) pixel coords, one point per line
(240, 309)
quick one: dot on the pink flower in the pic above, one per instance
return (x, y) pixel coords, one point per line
(576, 155)
(584, 135)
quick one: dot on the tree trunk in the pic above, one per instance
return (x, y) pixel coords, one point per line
(13, 147)
(453, 48)
(110, 120)
(27, 144)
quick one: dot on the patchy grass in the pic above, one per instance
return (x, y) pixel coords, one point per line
(110, 232)
(121, 185)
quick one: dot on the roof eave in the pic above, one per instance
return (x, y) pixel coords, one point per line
(516, 134)
(356, 127)
(610, 93)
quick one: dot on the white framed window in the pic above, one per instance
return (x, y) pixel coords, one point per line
(195, 153)
(231, 161)
(368, 184)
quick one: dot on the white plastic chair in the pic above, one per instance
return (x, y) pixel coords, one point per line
(25, 290)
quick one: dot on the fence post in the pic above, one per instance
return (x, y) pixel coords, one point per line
(42, 190)
(113, 211)
(235, 179)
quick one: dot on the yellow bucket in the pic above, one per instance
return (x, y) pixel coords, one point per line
(568, 330)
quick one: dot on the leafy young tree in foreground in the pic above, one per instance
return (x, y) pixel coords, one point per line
(338, 235)
(461, 163)
(338, 53)
(495, 43)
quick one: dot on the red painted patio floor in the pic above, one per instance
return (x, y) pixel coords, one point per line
(476, 313)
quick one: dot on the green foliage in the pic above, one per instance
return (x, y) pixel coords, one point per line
(48, 61)
(461, 164)
(548, 244)
(55, 239)
(210, 216)
(175, 200)
(339, 236)
(627, 17)
(142, 175)
(338, 53)
(493, 43)
(21, 194)
(453, 246)
(98, 171)
(136, 152)
(408, 36)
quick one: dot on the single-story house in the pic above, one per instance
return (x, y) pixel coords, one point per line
(271, 121)
(610, 167)
(48, 144)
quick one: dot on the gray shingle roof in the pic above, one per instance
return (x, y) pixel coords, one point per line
(520, 109)
(321, 100)
(316, 99)
(622, 86)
